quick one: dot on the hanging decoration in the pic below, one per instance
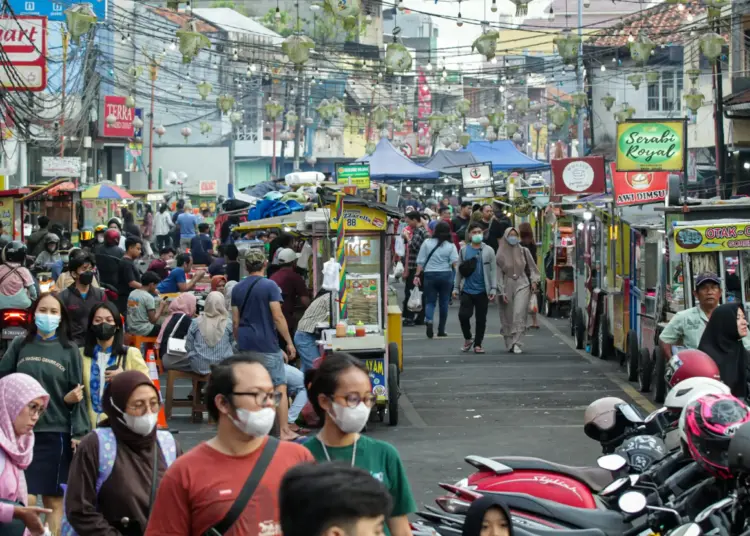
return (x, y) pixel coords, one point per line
(225, 103)
(511, 128)
(191, 41)
(111, 119)
(653, 77)
(370, 147)
(380, 115)
(130, 101)
(491, 134)
(640, 49)
(463, 106)
(484, 121)
(311, 160)
(206, 128)
(521, 105)
(517, 137)
(464, 138)
(711, 45)
(636, 80)
(455, 146)
(558, 115)
(235, 117)
(291, 118)
(496, 118)
(713, 9)
(399, 114)
(334, 133)
(344, 9)
(693, 100)
(273, 109)
(297, 48)
(436, 121)
(309, 121)
(134, 73)
(693, 75)
(137, 123)
(397, 58)
(186, 132)
(160, 131)
(522, 7)
(568, 45)
(486, 44)
(204, 89)
(608, 100)
(79, 19)
(285, 136)
(580, 99)
(625, 113)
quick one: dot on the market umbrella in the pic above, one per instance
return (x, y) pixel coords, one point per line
(105, 190)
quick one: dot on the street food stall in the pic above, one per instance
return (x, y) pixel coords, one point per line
(58, 200)
(558, 267)
(11, 212)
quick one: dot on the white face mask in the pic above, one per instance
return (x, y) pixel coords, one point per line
(100, 239)
(255, 423)
(141, 424)
(350, 420)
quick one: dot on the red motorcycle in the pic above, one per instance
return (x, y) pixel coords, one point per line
(13, 322)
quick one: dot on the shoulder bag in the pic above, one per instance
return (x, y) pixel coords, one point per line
(247, 491)
(175, 345)
(429, 256)
(466, 268)
(249, 291)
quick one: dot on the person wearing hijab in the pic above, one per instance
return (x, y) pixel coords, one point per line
(488, 516)
(118, 500)
(181, 313)
(228, 294)
(218, 282)
(210, 338)
(722, 340)
(22, 402)
(514, 287)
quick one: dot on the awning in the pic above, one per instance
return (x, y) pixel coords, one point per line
(450, 162)
(19, 192)
(388, 163)
(364, 93)
(737, 104)
(48, 188)
(504, 156)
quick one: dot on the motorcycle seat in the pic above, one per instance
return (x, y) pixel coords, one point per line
(595, 478)
(608, 521)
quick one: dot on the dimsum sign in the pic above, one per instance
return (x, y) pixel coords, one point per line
(646, 145)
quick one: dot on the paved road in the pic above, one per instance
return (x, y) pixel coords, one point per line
(456, 404)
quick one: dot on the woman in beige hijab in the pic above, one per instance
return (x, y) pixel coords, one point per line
(517, 278)
(210, 339)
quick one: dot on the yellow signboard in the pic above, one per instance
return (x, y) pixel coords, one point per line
(709, 238)
(7, 215)
(360, 219)
(646, 145)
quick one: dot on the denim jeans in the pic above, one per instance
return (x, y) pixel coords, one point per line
(437, 286)
(307, 348)
(295, 386)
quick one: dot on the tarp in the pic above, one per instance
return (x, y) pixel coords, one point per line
(450, 162)
(388, 163)
(504, 156)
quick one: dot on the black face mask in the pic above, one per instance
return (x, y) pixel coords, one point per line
(103, 331)
(86, 278)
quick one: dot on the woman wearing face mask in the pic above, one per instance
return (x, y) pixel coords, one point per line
(116, 498)
(722, 340)
(342, 397)
(104, 356)
(47, 354)
(514, 287)
(181, 312)
(488, 516)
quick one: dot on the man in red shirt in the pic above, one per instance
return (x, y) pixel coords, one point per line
(200, 487)
(293, 288)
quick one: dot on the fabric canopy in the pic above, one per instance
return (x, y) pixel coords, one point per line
(388, 163)
(450, 162)
(504, 156)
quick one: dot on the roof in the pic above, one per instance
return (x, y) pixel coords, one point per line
(364, 92)
(449, 162)
(328, 196)
(504, 156)
(388, 163)
(231, 21)
(44, 188)
(661, 23)
(181, 19)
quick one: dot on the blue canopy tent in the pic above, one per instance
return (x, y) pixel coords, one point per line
(388, 163)
(504, 156)
(450, 162)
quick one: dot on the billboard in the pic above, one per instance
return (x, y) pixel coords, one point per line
(710, 238)
(477, 176)
(573, 176)
(122, 126)
(648, 145)
(639, 187)
(24, 43)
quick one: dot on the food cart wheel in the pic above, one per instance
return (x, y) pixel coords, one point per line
(634, 356)
(393, 356)
(660, 386)
(573, 310)
(393, 394)
(645, 370)
(550, 309)
(580, 330)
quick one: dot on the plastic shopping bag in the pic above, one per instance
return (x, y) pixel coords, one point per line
(415, 300)
(398, 270)
(399, 248)
(533, 304)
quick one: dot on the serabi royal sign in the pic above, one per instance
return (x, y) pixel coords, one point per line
(648, 145)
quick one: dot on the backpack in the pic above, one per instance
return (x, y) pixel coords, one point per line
(107, 456)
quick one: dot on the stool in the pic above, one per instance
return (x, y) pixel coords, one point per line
(197, 406)
(139, 341)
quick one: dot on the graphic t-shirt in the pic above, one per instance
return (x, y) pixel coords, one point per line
(256, 331)
(381, 459)
(474, 284)
(201, 486)
(169, 285)
(140, 303)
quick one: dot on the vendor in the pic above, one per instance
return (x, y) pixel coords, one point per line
(177, 279)
(164, 263)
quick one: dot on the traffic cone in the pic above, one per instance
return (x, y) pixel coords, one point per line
(154, 374)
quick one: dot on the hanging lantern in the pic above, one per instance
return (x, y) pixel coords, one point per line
(636, 80)
(693, 75)
(225, 103)
(496, 118)
(160, 131)
(285, 136)
(380, 115)
(486, 44)
(235, 117)
(491, 136)
(625, 113)
(370, 147)
(580, 99)
(640, 49)
(324, 110)
(111, 119)
(713, 8)
(397, 58)
(693, 100)
(399, 114)
(568, 46)
(344, 9)
(336, 108)
(206, 128)
(455, 146)
(191, 41)
(79, 19)
(311, 160)
(137, 123)
(273, 109)
(521, 105)
(552, 127)
(297, 48)
(517, 137)
(291, 118)
(309, 121)
(558, 115)
(204, 89)
(186, 132)
(574, 112)
(511, 128)
(134, 73)
(464, 138)
(608, 100)
(711, 45)
(130, 102)
(522, 7)
(484, 121)
(436, 121)
(652, 77)
(537, 126)
(334, 133)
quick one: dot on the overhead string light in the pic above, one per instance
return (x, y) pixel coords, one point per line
(493, 8)
(459, 20)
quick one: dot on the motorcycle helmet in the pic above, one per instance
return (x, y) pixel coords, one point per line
(600, 419)
(690, 364)
(685, 391)
(100, 228)
(707, 425)
(112, 237)
(642, 451)
(52, 238)
(117, 221)
(739, 450)
(86, 234)
(14, 251)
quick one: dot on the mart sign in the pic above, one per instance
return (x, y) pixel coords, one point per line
(24, 44)
(646, 145)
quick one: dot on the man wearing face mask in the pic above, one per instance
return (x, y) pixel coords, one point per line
(203, 486)
(99, 231)
(81, 297)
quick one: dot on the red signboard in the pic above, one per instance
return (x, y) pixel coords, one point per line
(122, 127)
(639, 187)
(573, 176)
(24, 43)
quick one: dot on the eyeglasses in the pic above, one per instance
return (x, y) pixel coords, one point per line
(262, 397)
(141, 406)
(36, 409)
(353, 399)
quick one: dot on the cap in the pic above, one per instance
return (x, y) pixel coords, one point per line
(260, 234)
(255, 256)
(287, 255)
(707, 277)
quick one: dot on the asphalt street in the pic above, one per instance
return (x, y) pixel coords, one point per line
(455, 404)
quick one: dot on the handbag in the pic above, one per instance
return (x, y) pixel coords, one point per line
(247, 490)
(466, 268)
(175, 345)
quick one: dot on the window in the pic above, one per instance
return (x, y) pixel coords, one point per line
(664, 95)
(653, 97)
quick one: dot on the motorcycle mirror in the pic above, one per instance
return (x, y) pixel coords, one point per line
(651, 416)
(715, 507)
(612, 487)
(690, 529)
(634, 479)
(632, 502)
(612, 462)
(630, 413)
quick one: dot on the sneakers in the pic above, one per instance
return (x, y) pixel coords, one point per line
(430, 331)
(517, 349)
(442, 334)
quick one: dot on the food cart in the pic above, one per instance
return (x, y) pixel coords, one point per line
(558, 267)
(59, 201)
(11, 212)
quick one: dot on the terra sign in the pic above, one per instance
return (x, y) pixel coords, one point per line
(646, 145)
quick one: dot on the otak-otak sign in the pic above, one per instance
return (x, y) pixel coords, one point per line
(713, 237)
(648, 145)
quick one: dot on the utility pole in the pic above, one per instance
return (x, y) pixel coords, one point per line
(721, 151)
(580, 80)
(65, 37)
(297, 126)
(154, 68)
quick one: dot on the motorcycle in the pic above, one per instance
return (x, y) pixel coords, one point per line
(13, 323)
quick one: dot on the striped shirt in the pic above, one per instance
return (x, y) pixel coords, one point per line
(201, 355)
(318, 311)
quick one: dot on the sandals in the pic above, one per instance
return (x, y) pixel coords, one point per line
(467, 346)
(478, 350)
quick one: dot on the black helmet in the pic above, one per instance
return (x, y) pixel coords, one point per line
(14, 251)
(642, 451)
(51, 238)
(739, 450)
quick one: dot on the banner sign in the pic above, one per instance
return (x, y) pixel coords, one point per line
(358, 218)
(648, 145)
(208, 187)
(122, 127)
(477, 176)
(710, 238)
(573, 176)
(638, 188)
(54, 9)
(24, 44)
(56, 166)
(354, 174)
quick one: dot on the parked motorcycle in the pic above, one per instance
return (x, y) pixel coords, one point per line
(13, 323)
